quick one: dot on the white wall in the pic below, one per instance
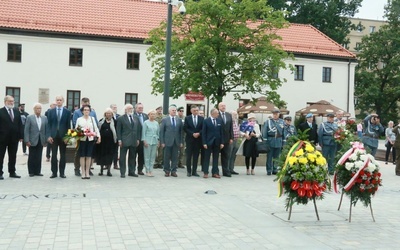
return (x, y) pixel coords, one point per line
(105, 80)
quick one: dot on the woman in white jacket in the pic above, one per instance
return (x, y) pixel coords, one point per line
(90, 131)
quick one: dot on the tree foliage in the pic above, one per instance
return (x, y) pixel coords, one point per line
(329, 16)
(377, 85)
(221, 46)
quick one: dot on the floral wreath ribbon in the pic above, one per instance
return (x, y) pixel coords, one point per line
(355, 145)
(291, 152)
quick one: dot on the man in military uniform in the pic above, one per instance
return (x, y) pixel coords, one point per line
(159, 159)
(273, 135)
(288, 129)
(373, 128)
(327, 142)
(181, 115)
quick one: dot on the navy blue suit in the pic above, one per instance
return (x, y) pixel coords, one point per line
(212, 136)
(193, 145)
(57, 131)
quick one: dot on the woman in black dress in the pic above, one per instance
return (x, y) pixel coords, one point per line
(105, 150)
(251, 133)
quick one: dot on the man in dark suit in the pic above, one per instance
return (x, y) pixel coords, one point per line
(128, 136)
(171, 140)
(48, 148)
(24, 115)
(115, 117)
(11, 134)
(59, 121)
(142, 117)
(192, 126)
(228, 138)
(313, 128)
(213, 141)
(35, 139)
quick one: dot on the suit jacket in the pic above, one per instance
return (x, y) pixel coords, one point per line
(65, 122)
(8, 128)
(145, 117)
(32, 132)
(127, 133)
(213, 135)
(170, 135)
(312, 133)
(228, 127)
(190, 129)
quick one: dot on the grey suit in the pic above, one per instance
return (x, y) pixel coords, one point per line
(171, 136)
(129, 135)
(37, 138)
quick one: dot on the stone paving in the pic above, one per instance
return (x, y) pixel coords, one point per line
(175, 213)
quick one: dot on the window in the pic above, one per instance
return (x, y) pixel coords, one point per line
(359, 27)
(326, 74)
(358, 46)
(14, 52)
(299, 74)
(132, 61)
(131, 98)
(73, 98)
(75, 57)
(371, 29)
(275, 72)
(16, 93)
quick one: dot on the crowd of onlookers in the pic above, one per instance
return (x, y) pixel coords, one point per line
(136, 142)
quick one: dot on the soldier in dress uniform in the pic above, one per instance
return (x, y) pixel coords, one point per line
(159, 159)
(273, 135)
(181, 115)
(327, 142)
(288, 129)
(372, 129)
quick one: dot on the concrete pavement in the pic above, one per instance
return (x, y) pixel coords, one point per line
(175, 213)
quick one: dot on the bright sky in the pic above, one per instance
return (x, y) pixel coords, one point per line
(372, 9)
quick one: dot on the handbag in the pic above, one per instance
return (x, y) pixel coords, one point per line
(262, 147)
(95, 137)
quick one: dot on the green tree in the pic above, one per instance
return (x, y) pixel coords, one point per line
(377, 85)
(329, 16)
(221, 46)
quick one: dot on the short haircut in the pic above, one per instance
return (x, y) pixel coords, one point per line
(193, 106)
(85, 99)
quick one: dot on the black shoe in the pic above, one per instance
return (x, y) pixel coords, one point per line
(77, 173)
(53, 176)
(274, 172)
(1, 177)
(100, 174)
(39, 174)
(133, 175)
(109, 174)
(189, 174)
(140, 173)
(227, 175)
(233, 172)
(63, 176)
(331, 173)
(196, 175)
(14, 175)
(31, 175)
(269, 173)
(386, 163)
(90, 173)
(122, 176)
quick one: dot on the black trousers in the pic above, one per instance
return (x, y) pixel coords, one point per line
(35, 158)
(11, 145)
(58, 143)
(214, 150)
(140, 157)
(225, 154)
(192, 155)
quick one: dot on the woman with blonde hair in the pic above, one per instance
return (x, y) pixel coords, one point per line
(106, 149)
(150, 138)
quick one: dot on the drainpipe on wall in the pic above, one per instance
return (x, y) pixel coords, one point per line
(348, 87)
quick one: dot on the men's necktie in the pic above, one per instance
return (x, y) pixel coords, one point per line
(215, 124)
(223, 117)
(173, 122)
(11, 115)
(310, 125)
(58, 118)
(141, 118)
(195, 121)
(130, 119)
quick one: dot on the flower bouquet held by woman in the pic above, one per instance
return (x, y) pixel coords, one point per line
(357, 174)
(73, 135)
(303, 176)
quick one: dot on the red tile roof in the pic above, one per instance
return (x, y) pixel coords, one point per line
(133, 19)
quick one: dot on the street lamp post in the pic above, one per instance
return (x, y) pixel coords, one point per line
(167, 73)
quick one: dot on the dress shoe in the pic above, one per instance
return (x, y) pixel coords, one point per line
(196, 175)
(140, 173)
(252, 172)
(53, 176)
(100, 174)
(90, 173)
(122, 176)
(216, 176)
(48, 159)
(31, 175)
(274, 172)
(174, 174)
(166, 174)
(77, 172)
(233, 172)
(1, 177)
(189, 174)
(133, 175)
(109, 174)
(14, 175)
(39, 174)
(227, 175)
(205, 176)
(269, 173)
(63, 176)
